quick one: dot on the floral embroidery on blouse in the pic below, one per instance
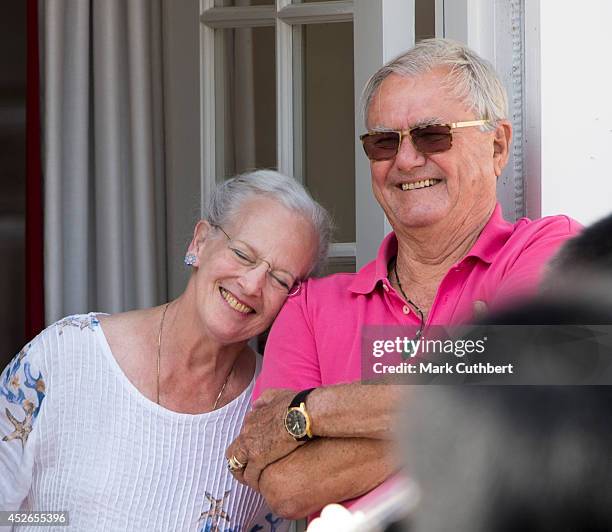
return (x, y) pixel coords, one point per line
(213, 518)
(214, 514)
(82, 322)
(15, 381)
(272, 520)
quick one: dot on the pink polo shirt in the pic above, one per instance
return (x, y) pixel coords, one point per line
(316, 338)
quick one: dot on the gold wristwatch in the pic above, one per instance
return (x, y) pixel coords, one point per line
(297, 420)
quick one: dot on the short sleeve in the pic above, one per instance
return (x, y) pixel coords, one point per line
(524, 275)
(290, 359)
(22, 393)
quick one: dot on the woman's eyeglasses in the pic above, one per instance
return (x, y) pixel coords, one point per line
(432, 138)
(279, 279)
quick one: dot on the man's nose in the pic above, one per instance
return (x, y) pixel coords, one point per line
(408, 157)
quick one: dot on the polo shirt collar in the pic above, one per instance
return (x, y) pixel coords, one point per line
(492, 238)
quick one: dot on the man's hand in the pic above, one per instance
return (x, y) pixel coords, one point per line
(263, 438)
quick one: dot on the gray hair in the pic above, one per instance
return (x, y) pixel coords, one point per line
(471, 78)
(228, 197)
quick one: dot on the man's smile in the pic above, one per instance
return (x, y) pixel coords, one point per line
(420, 184)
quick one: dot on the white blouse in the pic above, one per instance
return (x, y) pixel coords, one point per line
(78, 436)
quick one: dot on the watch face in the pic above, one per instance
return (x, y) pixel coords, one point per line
(295, 421)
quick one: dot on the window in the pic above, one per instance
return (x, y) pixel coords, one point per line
(281, 84)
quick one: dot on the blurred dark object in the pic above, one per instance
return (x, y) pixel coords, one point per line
(510, 458)
(398, 526)
(583, 264)
(591, 249)
(501, 459)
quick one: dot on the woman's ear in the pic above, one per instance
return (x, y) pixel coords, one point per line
(501, 145)
(200, 233)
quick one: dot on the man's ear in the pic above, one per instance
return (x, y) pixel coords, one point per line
(200, 233)
(501, 145)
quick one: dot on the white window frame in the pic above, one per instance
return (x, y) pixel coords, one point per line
(495, 29)
(382, 29)
(288, 19)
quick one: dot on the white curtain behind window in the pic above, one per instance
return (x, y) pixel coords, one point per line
(103, 150)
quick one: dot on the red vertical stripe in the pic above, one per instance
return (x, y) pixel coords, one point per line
(34, 207)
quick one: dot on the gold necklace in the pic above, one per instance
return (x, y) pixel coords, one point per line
(159, 339)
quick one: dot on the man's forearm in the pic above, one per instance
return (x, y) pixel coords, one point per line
(354, 410)
(351, 411)
(324, 471)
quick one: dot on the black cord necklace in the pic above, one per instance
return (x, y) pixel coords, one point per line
(419, 333)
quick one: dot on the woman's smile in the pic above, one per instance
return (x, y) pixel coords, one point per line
(234, 302)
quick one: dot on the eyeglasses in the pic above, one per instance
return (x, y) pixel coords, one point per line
(428, 139)
(279, 279)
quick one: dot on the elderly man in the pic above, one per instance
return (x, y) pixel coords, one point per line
(437, 138)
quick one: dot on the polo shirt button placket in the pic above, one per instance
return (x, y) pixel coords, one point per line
(406, 310)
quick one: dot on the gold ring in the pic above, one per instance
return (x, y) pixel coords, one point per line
(233, 464)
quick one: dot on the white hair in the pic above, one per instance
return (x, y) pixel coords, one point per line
(471, 78)
(229, 196)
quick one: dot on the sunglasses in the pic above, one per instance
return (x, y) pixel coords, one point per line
(432, 138)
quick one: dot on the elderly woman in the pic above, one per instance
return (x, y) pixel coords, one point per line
(123, 420)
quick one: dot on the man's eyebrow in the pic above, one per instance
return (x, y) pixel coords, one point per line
(381, 129)
(428, 121)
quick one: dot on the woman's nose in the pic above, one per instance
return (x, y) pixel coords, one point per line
(253, 280)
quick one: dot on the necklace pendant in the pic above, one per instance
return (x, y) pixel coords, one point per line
(407, 353)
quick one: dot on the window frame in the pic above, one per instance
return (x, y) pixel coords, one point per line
(385, 28)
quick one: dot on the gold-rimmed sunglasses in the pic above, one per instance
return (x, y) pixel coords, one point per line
(279, 279)
(427, 139)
